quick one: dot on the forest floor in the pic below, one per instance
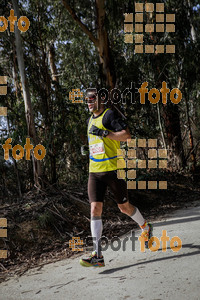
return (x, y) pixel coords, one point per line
(167, 271)
(40, 225)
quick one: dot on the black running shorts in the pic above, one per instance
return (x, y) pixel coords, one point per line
(98, 183)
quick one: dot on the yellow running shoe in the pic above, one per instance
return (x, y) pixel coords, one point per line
(147, 234)
(92, 261)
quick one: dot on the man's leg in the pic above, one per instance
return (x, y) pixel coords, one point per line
(96, 226)
(133, 212)
(96, 192)
(119, 188)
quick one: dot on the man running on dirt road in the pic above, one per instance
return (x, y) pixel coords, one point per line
(105, 131)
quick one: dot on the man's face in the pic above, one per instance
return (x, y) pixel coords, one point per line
(93, 103)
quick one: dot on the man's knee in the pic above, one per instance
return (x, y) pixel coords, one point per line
(123, 207)
(126, 208)
(96, 208)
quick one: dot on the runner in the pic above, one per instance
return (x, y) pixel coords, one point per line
(105, 131)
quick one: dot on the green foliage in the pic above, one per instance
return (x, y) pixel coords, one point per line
(60, 124)
(46, 219)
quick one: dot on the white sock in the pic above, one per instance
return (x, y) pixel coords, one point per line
(138, 218)
(96, 230)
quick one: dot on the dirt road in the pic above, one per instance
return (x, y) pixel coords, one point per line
(128, 274)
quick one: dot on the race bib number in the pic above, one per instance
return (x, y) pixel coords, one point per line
(97, 149)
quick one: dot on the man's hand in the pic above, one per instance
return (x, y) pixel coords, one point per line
(97, 131)
(84, 150)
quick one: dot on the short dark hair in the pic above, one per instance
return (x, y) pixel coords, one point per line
(91, 92)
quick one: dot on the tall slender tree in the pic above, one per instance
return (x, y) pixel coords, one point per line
(27, 98)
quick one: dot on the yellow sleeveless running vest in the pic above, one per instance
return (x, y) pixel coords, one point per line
(103, 151)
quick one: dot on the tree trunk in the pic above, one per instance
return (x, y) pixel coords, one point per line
(171, 118)
(55, 79)
(15, 164)
(102, 42)
(173, 131)
(190, 13)
(14, 71)
(52, 63)
(26, 95)
(106, 67)
(161, 128)
(191, 141)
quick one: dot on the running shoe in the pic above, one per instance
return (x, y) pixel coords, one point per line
(92, 261)
(146, 235)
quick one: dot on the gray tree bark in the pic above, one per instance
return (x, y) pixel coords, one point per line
(26, 96)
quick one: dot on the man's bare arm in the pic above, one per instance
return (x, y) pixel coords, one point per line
(121, 136)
